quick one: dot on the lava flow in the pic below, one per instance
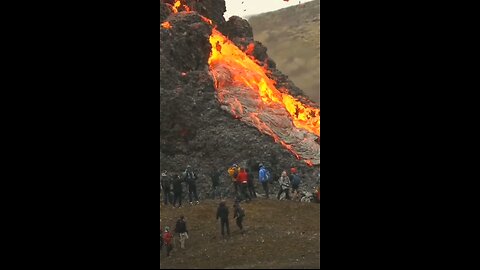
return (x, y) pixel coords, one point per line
(227, 53)
(250, 95)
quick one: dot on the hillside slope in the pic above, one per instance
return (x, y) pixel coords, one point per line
(292, 36)
(279, 234)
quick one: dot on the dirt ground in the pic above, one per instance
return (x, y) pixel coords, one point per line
(279, 234)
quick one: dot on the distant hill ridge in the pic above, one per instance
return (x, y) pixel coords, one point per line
(292, 36)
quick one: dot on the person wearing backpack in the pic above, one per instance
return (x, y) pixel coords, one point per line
(264, 178)
(242, 180)
(191, 179)
(181, 229)
(239, 214)
(233, 172)
(295, 181)
(284, 182)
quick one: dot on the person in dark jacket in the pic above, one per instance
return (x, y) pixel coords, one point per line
(166, 187)
(191, 179)
(238, 215)
(181, 229)
(215, 176)
(251, 186)
(177, 191)
(295, 182)
(222, 213)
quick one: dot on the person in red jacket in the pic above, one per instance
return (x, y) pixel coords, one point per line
(242, 181)
(167, 240)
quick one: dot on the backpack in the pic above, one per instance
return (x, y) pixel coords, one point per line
(295, 180)
(235, 174)
(268, 176)
(231, 171)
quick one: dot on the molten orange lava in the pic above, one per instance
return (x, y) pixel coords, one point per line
(176, 6)
(166, 25)
(227, 53)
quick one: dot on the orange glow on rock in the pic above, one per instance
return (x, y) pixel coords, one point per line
(166, 25)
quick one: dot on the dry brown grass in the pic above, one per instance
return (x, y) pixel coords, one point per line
(279, 234)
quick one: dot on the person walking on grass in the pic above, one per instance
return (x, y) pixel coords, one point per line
(222, 213)
(167, 239)
(166, 187)
(181, 229)
(239, 214)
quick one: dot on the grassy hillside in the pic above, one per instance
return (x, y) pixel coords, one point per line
(292, 36)
(279, 234)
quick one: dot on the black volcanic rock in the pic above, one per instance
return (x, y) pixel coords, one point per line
(164, 11)
(237, 27)
(212, 9)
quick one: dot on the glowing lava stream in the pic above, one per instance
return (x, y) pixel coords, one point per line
(226, 53)
(245, 90)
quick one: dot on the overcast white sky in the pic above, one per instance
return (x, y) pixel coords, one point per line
(252, 7)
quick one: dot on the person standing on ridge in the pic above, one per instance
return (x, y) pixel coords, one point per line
(263, 178)
(177, 191)
(242, 180)
(284, 182)
(191, 178)
(251, 184)
(166, 187)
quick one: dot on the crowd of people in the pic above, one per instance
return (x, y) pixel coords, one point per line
(242, 187)
(241, 179)
(172, 187)
(167, 237)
